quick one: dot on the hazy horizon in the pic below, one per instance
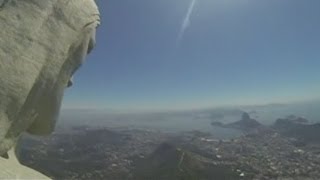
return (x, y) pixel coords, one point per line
(179, 109)
(187, 120)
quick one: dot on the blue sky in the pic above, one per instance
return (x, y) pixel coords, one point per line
(176, 54)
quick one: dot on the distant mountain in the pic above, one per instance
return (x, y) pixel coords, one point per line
(299, 128)
(290, 122)
(171, 163)
(246, 123)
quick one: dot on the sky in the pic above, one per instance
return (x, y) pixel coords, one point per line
(185, 54)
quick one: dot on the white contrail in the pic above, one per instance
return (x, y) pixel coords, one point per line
(186, 21)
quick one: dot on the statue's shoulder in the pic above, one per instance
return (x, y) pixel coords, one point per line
(11, 169)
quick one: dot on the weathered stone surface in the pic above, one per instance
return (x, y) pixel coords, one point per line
(12, 169)
(42, 43)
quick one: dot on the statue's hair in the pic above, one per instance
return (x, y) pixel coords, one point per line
(70, 8)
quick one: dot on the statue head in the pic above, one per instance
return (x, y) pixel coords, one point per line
(42, 44)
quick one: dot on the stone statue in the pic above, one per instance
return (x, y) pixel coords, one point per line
(42, 44)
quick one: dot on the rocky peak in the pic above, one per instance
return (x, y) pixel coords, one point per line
(245, 116)
(246, 123)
